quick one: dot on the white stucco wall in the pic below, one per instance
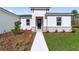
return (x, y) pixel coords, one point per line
(66, 20)
(51, 21)
(38, 13)
(24, 26)
(49, 24)
(65, 24)
(7, 21)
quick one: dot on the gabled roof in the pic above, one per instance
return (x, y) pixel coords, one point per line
(59, 14)
(6, 11)
(39, 8)
(27, 16)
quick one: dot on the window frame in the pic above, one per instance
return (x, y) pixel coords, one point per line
(28, 22)
(59, 21)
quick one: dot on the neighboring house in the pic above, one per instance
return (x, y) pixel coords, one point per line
(40, 19)
(77, 20)
(7, 20)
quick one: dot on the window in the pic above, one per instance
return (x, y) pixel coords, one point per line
(28, 22)
(58, 21)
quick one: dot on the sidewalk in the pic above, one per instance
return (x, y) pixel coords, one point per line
(39, 43)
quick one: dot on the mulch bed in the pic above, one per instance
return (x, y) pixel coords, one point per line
(20, 42)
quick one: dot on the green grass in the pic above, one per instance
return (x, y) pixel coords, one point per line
(63, 41)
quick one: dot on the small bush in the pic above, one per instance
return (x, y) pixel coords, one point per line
(73, 30)
(47, 31)
(56, 31)
(16, 29)
(20, 45)
(1, 41)
(16, 44)
(63, 30)
(75, 26)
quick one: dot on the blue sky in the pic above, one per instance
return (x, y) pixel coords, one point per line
(26, 10)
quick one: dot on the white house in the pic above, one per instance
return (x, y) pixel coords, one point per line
(40, 19)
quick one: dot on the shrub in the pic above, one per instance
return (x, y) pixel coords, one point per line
(16, 29)
(16, 43)
(47, 32)
(1, 41)
(75, 26)
(63, 30)
(20, 45)
(73, 30)
(56, 31)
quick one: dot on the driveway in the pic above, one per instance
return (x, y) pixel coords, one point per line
(39, 43)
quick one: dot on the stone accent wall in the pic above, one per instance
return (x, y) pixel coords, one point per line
(44, 29)
(59, 29)
(34, 29)
(53, 29)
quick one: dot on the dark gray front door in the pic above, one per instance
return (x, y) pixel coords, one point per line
(39, 23)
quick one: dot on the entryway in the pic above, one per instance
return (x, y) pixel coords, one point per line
(39, 22)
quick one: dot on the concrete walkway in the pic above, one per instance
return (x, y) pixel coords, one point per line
(39, 43)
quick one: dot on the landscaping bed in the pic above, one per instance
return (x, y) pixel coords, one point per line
(63, 41)
(19, 42)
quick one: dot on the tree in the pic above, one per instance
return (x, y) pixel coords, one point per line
(74, 14)
(16, 29)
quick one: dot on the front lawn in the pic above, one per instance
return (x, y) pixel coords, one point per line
(63, 41)
(19, 42)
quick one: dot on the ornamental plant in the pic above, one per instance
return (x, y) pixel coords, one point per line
(16, 29)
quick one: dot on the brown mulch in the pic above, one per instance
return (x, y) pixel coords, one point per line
(20, 42)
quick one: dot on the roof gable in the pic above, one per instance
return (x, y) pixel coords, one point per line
(6, 11)
(39, 8)
(59, 14)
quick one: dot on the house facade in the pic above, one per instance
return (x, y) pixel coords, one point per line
(39, 19)
(42, 20)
